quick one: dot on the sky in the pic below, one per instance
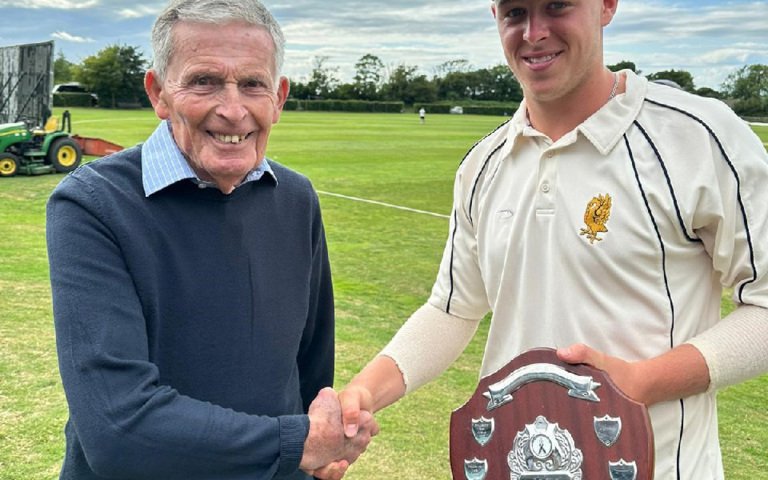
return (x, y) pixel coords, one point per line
(708, 38)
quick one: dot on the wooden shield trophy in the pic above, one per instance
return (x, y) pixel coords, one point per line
(539, 418)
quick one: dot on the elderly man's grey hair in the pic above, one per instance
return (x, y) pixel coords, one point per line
(216, 12)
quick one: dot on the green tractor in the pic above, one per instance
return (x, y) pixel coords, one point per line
(31, 141)
(38, 150)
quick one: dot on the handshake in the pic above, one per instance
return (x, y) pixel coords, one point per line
(340, 428)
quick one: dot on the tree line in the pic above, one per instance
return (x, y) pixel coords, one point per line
(116, 74)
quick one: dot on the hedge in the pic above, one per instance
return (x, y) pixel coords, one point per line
(751, 107)
(500, 109)
(432, 107)
(71, 99)
(344, 106)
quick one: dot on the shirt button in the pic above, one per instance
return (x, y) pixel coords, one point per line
(550, 154)
(545, 187)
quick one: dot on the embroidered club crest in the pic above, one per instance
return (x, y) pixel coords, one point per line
(596, 216)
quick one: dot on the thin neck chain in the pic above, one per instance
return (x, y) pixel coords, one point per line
(614, 89)
(615, 86)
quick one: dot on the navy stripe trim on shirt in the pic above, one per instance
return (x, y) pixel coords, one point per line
(690, 237)
(666, 286)
(479, 175)
(481, 140)
(738, 189)
(680, 441)
(450, 270)
(658, 238)
(455, 212)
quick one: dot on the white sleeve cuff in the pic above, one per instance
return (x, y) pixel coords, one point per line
(736, 348)
(428, 343)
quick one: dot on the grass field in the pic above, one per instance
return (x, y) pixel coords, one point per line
(384, 262)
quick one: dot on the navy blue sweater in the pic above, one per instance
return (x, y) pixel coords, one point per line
(193, 328)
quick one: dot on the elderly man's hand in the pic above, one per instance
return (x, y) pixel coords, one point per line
(327, 451)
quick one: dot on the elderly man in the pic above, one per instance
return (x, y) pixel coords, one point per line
(605, 217)
(191, 286)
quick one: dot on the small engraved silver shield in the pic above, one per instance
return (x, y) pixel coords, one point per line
(475, 469)
(607, 429)
(622, 470)
(482, 430)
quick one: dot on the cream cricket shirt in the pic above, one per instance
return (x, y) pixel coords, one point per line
(619, 235)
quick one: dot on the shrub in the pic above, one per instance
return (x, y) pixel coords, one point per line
(754, 107)
(344, 106)
(490, 108)
(66, 99)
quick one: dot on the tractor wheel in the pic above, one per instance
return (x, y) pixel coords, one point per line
(64, 154)
(9, 164)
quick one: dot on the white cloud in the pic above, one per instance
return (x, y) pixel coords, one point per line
(709, 38)
(665, 21)
(68, 37)
(140, 11)
(57, 4)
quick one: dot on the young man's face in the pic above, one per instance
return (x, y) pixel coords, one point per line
(553, 48)
(221, 97)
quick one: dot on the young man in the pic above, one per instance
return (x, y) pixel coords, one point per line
(191, 285)
(605, 217)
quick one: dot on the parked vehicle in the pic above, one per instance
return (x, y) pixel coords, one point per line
(75, 87)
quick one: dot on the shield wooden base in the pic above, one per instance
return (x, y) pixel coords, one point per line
(539, 418)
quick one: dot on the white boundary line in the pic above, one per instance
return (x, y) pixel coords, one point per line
(383, 204)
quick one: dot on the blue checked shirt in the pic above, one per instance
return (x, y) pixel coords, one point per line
(163, 164)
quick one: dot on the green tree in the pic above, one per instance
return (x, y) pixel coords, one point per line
(406, 85)
(63, 70)
(324, 79)
(680, 77)
(499, 84)
(368, 77)
(456, 86)
(420, 90)
(748, 82)
(116, 74)
(300, 90)
(624, 65)
(490, 84)
(747, 88)
(397, 82)
(708, 92)
(346, 91)
(459, 65)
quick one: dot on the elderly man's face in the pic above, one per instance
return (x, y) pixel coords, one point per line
(220, 95)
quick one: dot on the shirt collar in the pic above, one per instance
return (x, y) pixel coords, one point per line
(606, 127)
(603, 129)
(163, 164)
